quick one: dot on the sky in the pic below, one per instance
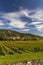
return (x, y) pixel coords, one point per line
(24, 16)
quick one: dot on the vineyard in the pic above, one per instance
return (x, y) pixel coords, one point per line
(12, 47)
(19, 51)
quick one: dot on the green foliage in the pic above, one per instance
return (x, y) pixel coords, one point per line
(13, 35)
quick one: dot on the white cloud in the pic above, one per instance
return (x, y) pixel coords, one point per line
(37, 18)
(35, 23)
(39, 27)
(25, 30)
(14, 18)
(25, 12)
(1, 23)
(38, 15)
(15, 21)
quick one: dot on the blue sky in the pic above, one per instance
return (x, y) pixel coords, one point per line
(22, 15)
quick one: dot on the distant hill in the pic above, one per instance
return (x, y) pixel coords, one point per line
(14, 35)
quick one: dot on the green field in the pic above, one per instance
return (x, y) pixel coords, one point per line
(18, 51)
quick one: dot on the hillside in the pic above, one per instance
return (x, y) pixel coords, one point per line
(13, 35)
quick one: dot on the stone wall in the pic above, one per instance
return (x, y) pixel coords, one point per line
(33, 62)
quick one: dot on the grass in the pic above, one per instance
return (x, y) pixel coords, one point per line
(20, 57)
(19, 51)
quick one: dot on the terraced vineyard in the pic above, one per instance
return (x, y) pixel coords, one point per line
(12, 47)
(19, 51)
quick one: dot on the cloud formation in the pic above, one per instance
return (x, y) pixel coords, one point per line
(14, 19)
(37, 18)
(1, 23)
